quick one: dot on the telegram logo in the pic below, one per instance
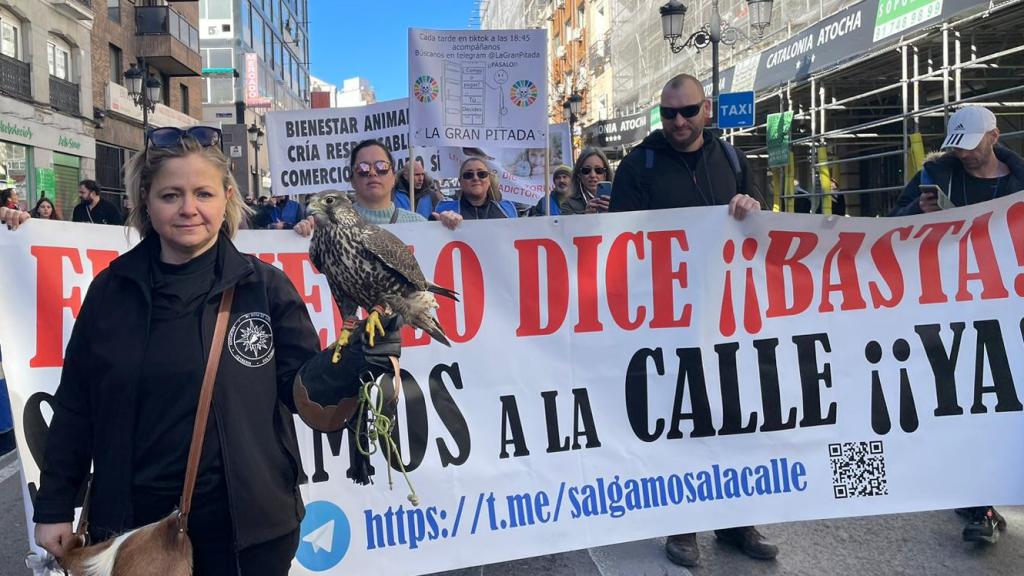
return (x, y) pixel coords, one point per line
(324, 537)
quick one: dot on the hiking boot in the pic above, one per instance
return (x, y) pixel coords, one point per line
(750, 541)
(682, 549)
(984, 526)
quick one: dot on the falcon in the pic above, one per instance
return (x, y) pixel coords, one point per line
(369, 267)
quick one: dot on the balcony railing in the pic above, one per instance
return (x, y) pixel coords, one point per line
(163, 20)
(64, 95)
(15, 77)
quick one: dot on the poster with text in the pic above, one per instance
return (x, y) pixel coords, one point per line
(310, 150)
(621, 377)
(478, 87)
(520, 171)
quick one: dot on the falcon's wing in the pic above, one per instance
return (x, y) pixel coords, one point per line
(390, 250)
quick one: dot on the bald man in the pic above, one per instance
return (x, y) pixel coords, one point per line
(684, 164)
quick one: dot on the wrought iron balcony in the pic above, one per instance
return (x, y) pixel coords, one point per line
(15, 77)
(64, 95)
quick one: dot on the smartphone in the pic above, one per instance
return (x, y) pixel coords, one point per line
(941, 198)
(604, 189)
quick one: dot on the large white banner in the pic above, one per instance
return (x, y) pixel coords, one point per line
(620, 377)
(521, 172)
(478, 87)
(310, 150)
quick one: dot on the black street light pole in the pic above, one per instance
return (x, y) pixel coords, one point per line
(144, 89)
(673, 13)
(255, 134)
(571, 108)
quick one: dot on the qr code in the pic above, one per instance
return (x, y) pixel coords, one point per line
(858, 469)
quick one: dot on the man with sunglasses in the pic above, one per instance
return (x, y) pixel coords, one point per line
(683, 165)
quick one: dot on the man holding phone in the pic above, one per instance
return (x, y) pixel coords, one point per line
(973, 167)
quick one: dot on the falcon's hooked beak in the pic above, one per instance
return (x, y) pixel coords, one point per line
(317, 210)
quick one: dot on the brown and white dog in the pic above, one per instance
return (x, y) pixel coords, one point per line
(157, 549)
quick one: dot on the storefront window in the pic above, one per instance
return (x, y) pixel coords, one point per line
(14, 169)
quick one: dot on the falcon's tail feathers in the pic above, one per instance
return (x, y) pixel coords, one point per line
(443, 291)
(436, 332)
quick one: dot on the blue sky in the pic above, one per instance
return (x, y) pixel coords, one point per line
(370, 38)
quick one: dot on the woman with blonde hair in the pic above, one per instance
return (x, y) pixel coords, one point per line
(134, 367)
(478, 198)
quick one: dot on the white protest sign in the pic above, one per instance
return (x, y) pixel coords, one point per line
(310, 149)
(520, 171)
(627, 376)
(478, 87)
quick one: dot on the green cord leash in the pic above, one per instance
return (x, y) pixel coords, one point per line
(379, 426)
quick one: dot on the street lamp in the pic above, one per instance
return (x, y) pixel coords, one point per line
(144, 89)
(255, 134)
(571, 108)
(673, 13)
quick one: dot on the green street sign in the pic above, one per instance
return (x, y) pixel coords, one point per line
(895, 16)
(779, 125)
(655, 120)
(219, 73)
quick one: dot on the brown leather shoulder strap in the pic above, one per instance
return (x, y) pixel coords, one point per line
(203, 409)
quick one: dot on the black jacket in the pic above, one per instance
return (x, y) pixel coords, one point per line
(946, 172)
(661, 179)
(94, 406)
(104, 213)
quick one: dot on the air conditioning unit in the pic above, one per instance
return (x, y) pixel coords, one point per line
(560, 51)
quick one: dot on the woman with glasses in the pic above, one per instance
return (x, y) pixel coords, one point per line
(591, 168)
(478, 197)
(134, 366)
(373, 177)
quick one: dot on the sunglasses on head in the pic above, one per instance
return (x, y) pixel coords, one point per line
(586, 170)
(380, 167)
(669, 113)
(478, 174)
(171, 137)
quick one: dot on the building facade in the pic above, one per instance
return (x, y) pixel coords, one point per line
(46, 103)
(256, 59)
(356, 92)
(161, 38)
(323, 94)
(579, 50)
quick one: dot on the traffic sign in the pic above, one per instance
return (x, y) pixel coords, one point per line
(736, 110)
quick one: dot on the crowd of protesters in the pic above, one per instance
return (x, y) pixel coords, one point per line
(683, 164)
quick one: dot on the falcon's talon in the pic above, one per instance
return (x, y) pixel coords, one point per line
(340, 345)
(373, 325)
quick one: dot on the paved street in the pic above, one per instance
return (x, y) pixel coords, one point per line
(906, 545)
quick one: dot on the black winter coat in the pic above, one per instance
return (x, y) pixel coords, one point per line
(947, 173)
(667, 182)
(94, 406)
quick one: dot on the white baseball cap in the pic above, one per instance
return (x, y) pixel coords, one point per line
(967, 127)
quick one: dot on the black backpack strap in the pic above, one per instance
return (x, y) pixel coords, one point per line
(734, 161)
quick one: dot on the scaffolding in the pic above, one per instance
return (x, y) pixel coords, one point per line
(864, 112)
(642, 63)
